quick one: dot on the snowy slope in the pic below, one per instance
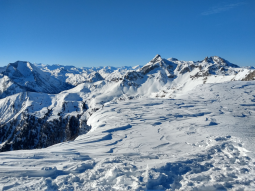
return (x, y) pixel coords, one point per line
(201, 140)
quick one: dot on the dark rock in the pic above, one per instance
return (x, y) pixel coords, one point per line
(250, 76)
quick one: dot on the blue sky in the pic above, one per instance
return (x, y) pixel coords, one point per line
(126, 32)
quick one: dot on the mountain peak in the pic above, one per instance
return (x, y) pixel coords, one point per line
(18, 68)
(17, 63)
(214, 59)
(218, 60)
(208, 59)
(157, 58)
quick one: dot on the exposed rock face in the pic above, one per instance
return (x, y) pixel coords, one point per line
(209, 66)
(132, 76)
(187, 68)
(250, 76)
(158, 62)
(157, 58)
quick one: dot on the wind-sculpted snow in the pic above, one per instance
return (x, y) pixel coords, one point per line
(202, 140)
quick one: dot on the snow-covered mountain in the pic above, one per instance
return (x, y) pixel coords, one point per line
(169, 124)
(31, 117)
(24, 76)
(75, 76)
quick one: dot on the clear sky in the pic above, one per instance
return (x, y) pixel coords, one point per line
(126, 32)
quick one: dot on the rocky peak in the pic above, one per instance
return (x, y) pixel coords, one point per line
(212, 59)
(156, 59)
(208, 59)
(218, 61)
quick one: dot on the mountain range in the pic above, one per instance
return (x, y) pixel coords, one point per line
(42, 105)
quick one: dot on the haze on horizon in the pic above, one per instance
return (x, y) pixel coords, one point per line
(118, 33)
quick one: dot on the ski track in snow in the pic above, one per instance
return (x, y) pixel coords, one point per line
(203, 139)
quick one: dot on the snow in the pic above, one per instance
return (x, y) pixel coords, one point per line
(169, 125)
(75, 76)
(24, 76)
(199, 140)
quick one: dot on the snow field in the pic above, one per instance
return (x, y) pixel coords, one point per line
(202, 140)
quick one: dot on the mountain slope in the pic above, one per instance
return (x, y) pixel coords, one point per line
(38, 120)
(24, 76)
